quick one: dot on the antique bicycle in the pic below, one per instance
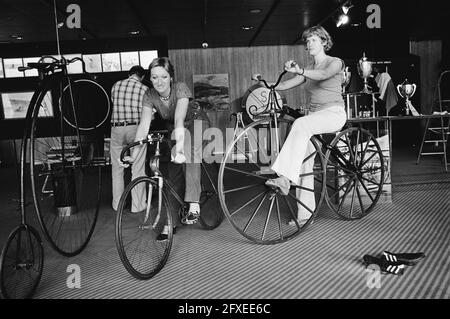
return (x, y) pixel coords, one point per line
(140, 251)
(346, 169)
(59, 158)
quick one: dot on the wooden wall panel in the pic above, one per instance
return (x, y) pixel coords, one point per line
(240, 63)
(430, 52)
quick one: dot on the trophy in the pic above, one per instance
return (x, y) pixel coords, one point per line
(346, 75)
(406, 91)
(365, 69)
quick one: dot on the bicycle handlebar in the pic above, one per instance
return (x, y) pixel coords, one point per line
(152, 137)
(259, 78)
(46, 67)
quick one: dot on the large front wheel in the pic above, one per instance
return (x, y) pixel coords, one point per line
(65, 178)
(256, 211)
(142, 214)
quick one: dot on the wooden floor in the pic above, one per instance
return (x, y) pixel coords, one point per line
(323, 262)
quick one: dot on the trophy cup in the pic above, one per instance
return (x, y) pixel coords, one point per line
(346, 75)
(406, 91)
(365, 69)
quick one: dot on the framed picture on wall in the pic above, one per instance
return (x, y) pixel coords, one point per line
(1, 69)
(211, 91)
(11, 66)
(93, 63)
(111, 62)
(15, 105)
(129, 59)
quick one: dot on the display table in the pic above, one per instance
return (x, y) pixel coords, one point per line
(381, 128)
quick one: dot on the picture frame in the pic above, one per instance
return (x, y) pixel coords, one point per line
(211, 91)
(15, 105)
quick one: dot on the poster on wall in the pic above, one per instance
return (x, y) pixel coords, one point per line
(211, 91)
(15, 105)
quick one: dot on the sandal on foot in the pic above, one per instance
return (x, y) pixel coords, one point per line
(409, 259)
(385, 266)
(281, 183)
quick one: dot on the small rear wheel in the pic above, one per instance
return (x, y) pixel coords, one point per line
(356, 162)
(21, 263)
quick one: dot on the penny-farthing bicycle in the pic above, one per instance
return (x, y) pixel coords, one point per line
(140, 251)
(57, 156)
(345, 169)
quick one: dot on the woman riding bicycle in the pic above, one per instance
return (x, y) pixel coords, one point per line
(322, 82)
(171, 100)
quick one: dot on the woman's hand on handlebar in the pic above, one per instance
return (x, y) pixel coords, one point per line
(256, 77)
(126, 161)
(292, 66)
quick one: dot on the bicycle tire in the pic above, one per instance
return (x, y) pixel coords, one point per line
(65, 181)
(245, 199)
(134, 230)
(21, 263)
(90, 101)
(360, 172)
(211, 214)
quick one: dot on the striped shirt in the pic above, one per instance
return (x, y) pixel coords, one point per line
(128, 97)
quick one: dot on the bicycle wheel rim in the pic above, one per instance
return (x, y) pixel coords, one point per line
(258, 212)
(211, 214)
(136, 236)
(360, 176)
(21, 263)
(65, 185)
(90, 100)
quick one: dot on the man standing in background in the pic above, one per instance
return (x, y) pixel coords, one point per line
(128, 98)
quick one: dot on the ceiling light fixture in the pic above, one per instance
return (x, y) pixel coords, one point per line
(255, 11)
(342, 20)
(17, 37)
(247, 27)
(134, 32)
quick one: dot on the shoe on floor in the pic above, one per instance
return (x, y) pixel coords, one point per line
(385, 266)
(280, 183)
(192, 215)
(165, 233)
(409, 259)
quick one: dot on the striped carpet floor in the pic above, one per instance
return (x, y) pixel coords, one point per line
(322, 262)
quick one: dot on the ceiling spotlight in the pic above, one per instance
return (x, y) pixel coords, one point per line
(17, 37)
(60, 25)
(247, 27)
(255, 11)
(343, 19)
(205, 45)
(134, 32)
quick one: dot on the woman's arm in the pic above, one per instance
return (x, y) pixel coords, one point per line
(180, 116)
(331, 69)
(284, 85)
(289, 84)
